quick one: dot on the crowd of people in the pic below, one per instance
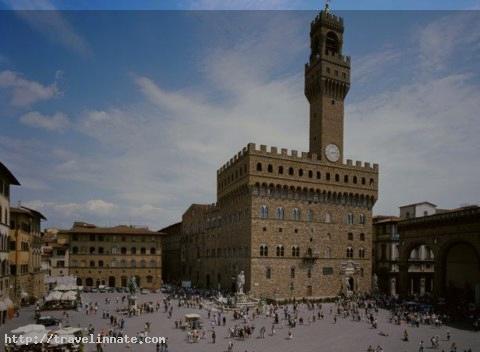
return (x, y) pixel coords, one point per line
(269, 319)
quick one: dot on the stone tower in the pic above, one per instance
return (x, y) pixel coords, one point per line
(327, 80)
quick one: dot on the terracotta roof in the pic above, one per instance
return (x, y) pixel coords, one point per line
(12, 179)
(380, 219)
(79, 227)
(25, 210)
(411, 205)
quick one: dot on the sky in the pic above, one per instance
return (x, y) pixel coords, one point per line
(123, 117)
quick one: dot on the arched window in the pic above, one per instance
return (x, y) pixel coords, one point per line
(75, 250)
(123, 263)
(361, 253)
(345, 178)
(270, 168)
(372, 182)
(355, 179)
(292, 272)
(280, 170)
(350, 219)
(92, 264)
(290, 171)
(280, 213)
(310, 174)
(153, 250)
(263, 250)
(268, 273)
(259, 166)
(143, 263)
(309, 215)
(362, 219)
(123, 250)
(149, 279)
(264, 212)
(296, 214)
(309, 273)
(295, 251)
(332, 45)
(327, 252)
(362, 237)
(133, 263)
(318, 175)
(349, 252)
(300, 172)
(280, 251)
(327, 176)
(92, 250)
(100, 263)
(143, 250)
(337, 177)
(363, 180)
(350, 236)
(133, 250)
(100, 250)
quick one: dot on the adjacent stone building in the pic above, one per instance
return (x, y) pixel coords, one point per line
(7, 179)
(171, 263)
(386, 241)
(439, 254)
(27, 277)
(110, 255)
(297, 224)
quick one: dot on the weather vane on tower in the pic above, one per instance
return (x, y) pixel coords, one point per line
(327, 5)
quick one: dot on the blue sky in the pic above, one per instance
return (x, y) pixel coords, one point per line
(125, 117)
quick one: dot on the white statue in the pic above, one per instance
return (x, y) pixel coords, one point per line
(347, 284)
(375, 282)
(240, 282)
(393, 286)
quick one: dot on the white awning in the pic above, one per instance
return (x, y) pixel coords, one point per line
(29, 328)
(3, 306)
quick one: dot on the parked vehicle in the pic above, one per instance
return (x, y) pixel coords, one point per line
(48, 321)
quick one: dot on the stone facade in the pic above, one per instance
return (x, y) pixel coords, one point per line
(6, 180)
(27, 277)
(171, 269)
(110, 255)
(451, 249)
(386, 242)
(297, 224)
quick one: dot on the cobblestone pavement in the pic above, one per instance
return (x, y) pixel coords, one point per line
(344, 336)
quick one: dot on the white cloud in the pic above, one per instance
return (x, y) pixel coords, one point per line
(25, 92)
(448, 37)
(424, 136)
(42, 16)
(56, 122)
(96, 208)
(373, 64)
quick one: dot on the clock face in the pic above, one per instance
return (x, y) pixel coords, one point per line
(332, 152)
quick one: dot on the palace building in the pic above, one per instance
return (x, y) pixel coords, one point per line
(109, 256)
(27, 277)
(299, 224)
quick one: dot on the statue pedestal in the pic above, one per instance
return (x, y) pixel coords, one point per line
(243, 301)
(132, 301)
